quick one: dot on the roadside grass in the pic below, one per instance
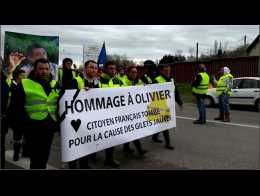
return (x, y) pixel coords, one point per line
(185, 92)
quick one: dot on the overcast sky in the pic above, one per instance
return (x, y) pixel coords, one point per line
(141, 42)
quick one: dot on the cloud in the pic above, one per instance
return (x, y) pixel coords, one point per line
(140, 41)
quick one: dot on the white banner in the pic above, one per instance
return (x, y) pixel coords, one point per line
(101, 118)
(91, 51)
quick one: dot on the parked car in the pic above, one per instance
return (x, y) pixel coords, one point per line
(245, 91)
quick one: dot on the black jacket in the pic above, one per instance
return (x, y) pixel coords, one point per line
(4, 94)
(176, 92)
(74, 84)
(196, 83)
(66, 79)
(4, 99)
(17, 110)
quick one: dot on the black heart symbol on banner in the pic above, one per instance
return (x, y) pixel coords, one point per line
(75, 124)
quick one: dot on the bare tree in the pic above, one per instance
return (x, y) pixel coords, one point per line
(178, 52)
(211, 52)
(120, 60)
(225, 45)
(215, 47)
(191, 51)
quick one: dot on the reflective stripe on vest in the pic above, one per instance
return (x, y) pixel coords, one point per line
(221, 85)
(204, 84)
(37, 104)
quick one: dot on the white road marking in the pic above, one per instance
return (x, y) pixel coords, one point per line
(219, 122)
(22, 162)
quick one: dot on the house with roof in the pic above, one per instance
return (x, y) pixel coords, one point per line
(254, 48)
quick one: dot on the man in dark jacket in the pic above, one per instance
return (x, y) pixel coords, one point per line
(5, 89)
(35, 111)
(18, 136)
(90, 81)
(199, 90)
(149, 72)
(165, 76)
(109, 79)
(131, 79)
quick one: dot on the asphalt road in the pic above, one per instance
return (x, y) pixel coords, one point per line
(215, 145)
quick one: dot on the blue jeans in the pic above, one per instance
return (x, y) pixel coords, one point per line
(223, 103)
(201, 108)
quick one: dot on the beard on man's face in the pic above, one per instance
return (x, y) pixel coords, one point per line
(43, 76)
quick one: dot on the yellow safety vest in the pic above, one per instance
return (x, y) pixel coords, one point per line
(60, 74)
(102, 85)
(80, 81)
(204, 84)
(37, 104)
(161, 79)
(127, 82)
(9, 82)
(110, 82)
(104, 80)
(222, 86)
(149, 79)
(120, 77)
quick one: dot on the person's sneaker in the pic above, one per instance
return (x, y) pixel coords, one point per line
(169, 147)
(198, 122)
(112, 163)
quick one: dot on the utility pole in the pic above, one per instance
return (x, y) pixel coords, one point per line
(245, 41)
(197, 52)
